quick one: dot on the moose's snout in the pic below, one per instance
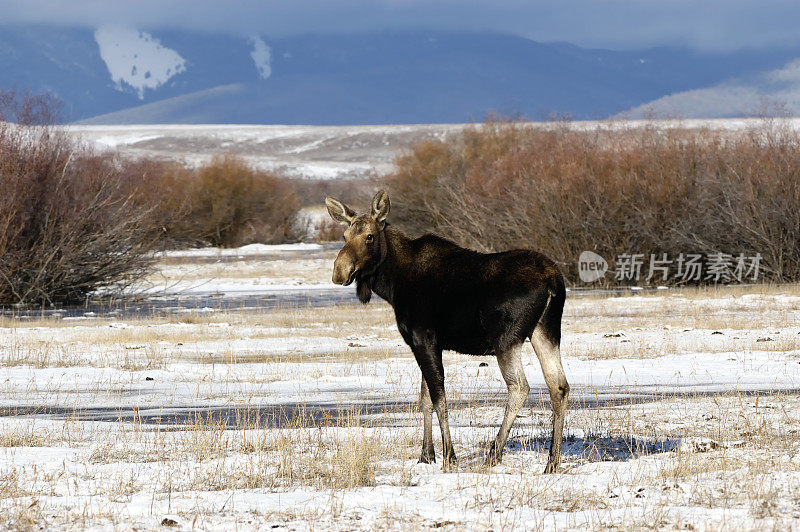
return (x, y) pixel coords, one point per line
(343, 270)
(343, 276)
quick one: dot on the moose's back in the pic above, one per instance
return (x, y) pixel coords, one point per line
(477, 303)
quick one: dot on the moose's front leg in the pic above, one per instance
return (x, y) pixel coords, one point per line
(429, 359)
(427, 455)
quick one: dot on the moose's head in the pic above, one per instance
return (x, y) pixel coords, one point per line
(365, 243)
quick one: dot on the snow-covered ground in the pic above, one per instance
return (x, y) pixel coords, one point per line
(685, 414)
(308, 152)
(251, 269)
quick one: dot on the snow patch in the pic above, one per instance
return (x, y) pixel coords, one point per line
(136, 59)
(261, 55)
(250, 249)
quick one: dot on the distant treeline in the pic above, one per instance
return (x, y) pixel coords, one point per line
(728, 199)
(74, 220)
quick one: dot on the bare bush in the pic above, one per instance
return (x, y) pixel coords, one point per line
(645, 190)
(328, 231)
(69, 222)
(313, 191)
(28, 108)
(228, 203)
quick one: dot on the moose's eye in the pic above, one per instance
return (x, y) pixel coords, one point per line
(369, 238)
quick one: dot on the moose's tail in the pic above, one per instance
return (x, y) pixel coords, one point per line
(551, 317)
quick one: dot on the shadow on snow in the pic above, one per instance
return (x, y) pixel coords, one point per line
(596, 448)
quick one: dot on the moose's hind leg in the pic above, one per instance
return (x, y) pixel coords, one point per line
(510, 363)
(549, 355)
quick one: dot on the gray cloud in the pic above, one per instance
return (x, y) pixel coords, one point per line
(708, 24)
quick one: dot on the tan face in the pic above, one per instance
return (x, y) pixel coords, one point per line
(365, 240)
(361, 251)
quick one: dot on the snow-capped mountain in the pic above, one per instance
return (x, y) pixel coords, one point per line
(772, 92)
(136, 60)
(131, 75)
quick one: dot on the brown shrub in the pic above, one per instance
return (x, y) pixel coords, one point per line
(70, 222)
(28, 108)
(312, 192)
(646, 190)
(328, 231)
(227, 203)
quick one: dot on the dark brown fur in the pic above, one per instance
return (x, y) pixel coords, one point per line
(448, 297)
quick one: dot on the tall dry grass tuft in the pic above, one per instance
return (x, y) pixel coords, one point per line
(648, 190)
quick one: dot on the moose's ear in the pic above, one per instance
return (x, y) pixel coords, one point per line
(339, 211)
(380, 206)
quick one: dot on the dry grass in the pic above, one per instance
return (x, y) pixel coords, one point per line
(275, 269)
(340, 456)
(27, 436)
(346, 456)
(155, 343)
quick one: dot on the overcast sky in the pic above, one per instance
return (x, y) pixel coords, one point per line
(618, 24)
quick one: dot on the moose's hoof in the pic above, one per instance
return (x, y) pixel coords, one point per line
(449, 462)
(494, 456)
(427, 457)
(551, 468)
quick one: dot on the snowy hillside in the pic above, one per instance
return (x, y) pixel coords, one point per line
(308, 152)
(772, 92)
(344, 152)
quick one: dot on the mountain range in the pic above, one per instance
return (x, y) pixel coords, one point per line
(124, 75)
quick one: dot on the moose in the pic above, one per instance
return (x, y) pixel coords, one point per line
(446, 297)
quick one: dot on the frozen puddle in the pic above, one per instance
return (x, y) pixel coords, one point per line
(217, 302)
(378, 413)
